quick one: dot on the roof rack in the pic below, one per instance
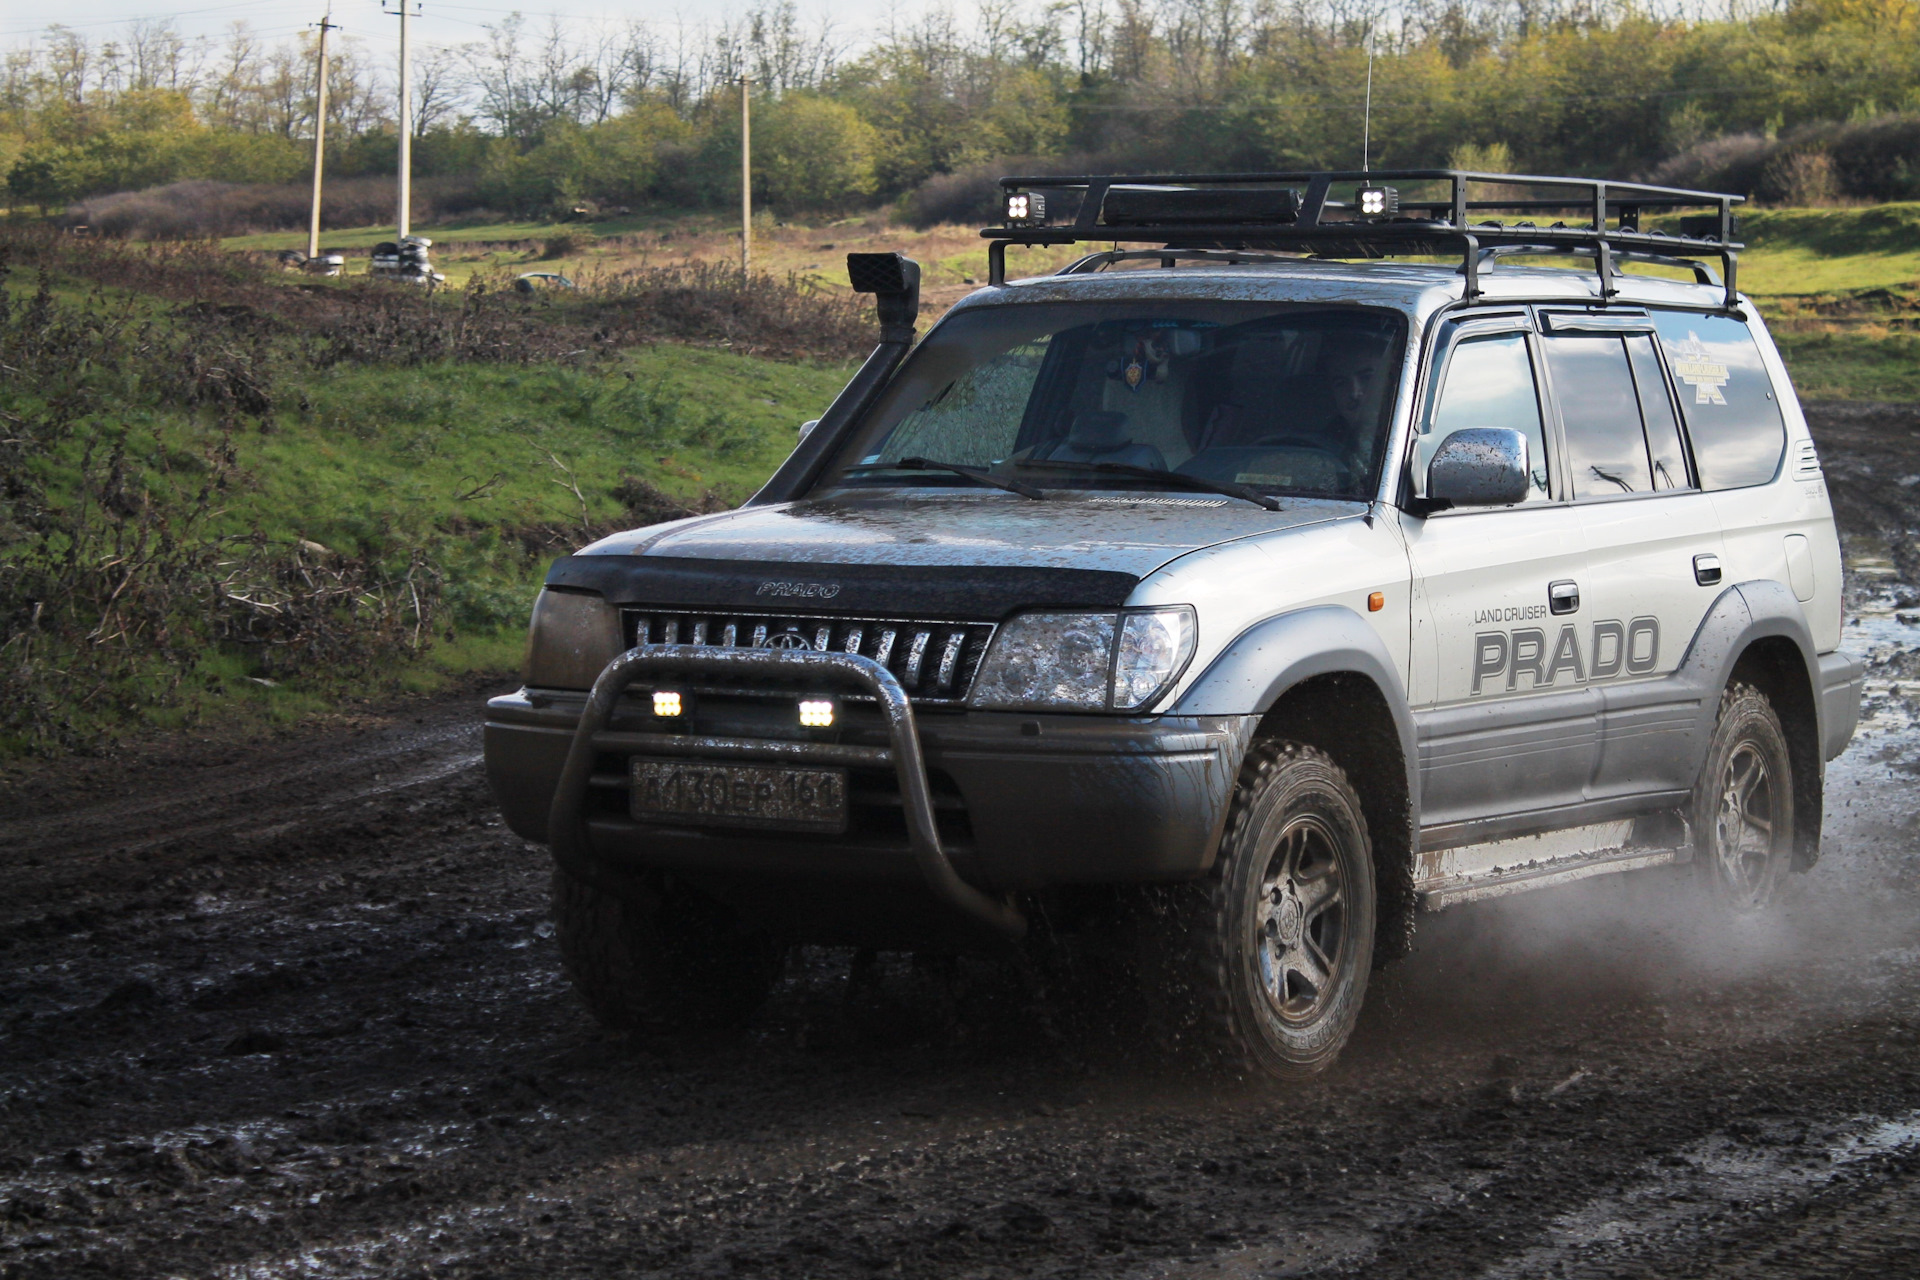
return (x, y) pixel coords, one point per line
(1296, 213)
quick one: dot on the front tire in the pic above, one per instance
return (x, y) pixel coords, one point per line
(663, 955)
(1278, 941)
(1743, 805)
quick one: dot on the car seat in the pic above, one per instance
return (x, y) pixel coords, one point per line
(1100, 435)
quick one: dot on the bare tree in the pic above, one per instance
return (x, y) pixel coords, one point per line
(437, 82)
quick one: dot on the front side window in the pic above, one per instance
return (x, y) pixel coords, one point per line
(1488, 383)
(1284, 398)
(1727, 399)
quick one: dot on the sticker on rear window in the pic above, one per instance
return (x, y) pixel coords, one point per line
(1694, 365)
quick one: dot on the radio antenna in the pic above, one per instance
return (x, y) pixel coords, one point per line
(1366, 118)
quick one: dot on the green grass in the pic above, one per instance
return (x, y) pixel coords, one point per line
(1817, 251)
(1853, 366)
(361, 449)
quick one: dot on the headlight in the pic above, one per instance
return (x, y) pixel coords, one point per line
(1085, 661)
(571, 640)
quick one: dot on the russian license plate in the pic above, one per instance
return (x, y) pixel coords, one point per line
(710, 793)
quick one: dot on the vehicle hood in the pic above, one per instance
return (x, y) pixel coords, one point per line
(1121, 533)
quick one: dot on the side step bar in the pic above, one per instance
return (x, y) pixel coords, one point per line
(566, 823)
(1497, 868)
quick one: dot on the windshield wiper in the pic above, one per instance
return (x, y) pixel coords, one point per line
(979, 474)
(1179, 479)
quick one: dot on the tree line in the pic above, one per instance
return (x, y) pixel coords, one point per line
(1798, 99)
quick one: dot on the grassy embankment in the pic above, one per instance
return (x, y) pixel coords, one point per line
(1841, 290)
(248, 502)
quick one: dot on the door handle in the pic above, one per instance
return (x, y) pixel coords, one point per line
(1563, 597)
(1706, 569)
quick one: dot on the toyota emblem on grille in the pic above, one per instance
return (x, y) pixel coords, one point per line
(788, 640)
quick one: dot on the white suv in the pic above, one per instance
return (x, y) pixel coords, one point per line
(1292, 594)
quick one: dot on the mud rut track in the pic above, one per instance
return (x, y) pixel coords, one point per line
(294, 1009)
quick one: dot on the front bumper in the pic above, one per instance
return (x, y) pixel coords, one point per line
(1019, 801)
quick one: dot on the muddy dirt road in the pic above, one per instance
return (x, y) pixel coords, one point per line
(295, 1010)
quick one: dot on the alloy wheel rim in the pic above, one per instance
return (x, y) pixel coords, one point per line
(1744, 824)
(1300, 920)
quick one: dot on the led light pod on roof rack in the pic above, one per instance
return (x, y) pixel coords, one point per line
(1379, 202)
(1026, 209)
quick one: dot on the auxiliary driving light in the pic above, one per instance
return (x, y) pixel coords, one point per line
(1026, 207)
(1379, 202)
(666, 702)
(816, 713)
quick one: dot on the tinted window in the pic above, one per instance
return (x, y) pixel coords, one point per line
(1600, 408)
(1288, 399)
(1732, 415)
(1489, 383)
(1656, 408)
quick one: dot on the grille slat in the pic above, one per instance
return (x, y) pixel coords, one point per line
(933, 661)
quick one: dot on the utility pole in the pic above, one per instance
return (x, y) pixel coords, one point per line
(405, 124)
(746, 178)
(319, 136)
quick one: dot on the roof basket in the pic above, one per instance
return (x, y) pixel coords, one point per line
(1374, 214)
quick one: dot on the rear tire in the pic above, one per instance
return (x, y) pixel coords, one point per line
(1743, 805)
(666, 955)
(1271, 952)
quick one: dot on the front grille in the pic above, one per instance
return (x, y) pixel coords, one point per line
(934, 661)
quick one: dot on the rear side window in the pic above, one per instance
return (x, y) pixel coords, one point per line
(1732, 414)
(1600, 408)
(1656, 407)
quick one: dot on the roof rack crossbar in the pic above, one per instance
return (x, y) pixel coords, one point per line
(1702, 273)
(1423, 226)
(1107, 257)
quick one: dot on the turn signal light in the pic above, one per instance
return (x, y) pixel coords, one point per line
(666, 702)
(816, 713)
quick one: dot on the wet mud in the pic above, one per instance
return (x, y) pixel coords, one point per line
(295, 1009)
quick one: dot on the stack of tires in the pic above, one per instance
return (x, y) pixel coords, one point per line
(406, 260)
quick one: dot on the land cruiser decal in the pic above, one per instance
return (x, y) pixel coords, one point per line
(1613, 649)
(1693, 366)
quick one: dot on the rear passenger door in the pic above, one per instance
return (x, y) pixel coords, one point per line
(1651, 539)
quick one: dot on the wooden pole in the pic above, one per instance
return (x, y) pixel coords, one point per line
(746, 179)
(405, 127)
(319, 138)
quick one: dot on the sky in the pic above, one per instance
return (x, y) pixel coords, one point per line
(454, 22)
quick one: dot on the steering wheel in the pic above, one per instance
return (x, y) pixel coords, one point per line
(1308, 444)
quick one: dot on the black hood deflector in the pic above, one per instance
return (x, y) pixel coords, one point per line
(987, 592)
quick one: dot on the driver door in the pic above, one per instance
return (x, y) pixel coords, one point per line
(1503, 727)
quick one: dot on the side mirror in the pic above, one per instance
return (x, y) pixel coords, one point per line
(1479, 467)
(806, 428)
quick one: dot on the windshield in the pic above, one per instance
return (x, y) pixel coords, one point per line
(1284, 399)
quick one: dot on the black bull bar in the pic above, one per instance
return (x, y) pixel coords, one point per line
(567, 823)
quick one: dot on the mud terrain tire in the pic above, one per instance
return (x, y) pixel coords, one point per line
(1743, 805)
(1271, 951)
(665, 956)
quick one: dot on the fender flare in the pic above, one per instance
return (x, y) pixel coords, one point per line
(1744, 613)
(1267, 659)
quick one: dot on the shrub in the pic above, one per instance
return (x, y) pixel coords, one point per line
(1872, 159)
